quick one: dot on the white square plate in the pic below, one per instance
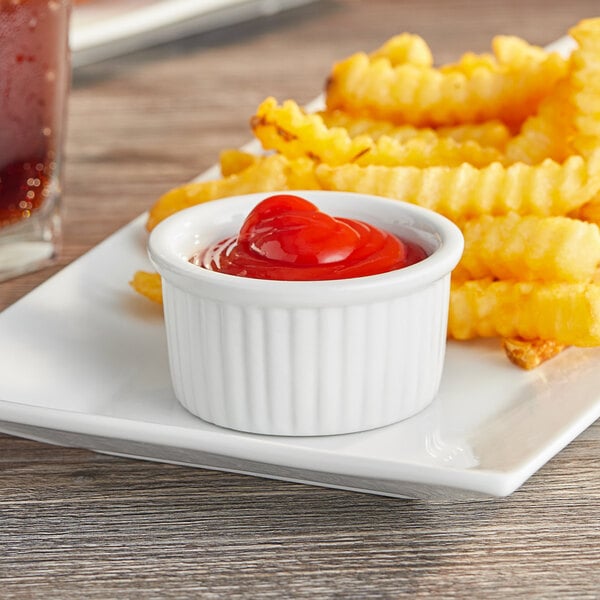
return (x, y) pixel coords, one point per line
(84, 363)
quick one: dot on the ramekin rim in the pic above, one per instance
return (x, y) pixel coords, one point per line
(439, 263)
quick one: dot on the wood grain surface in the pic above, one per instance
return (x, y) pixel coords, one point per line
(79, 525)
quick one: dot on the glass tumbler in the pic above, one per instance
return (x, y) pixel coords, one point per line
(35, 78)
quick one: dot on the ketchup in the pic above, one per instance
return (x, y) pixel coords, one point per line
(288, 238)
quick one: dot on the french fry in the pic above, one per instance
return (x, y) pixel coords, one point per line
(234, 161)
(589, 212)
(492, 133)
(405, 48)
(529, 248)
(148, 285)
(548, 133)
(470, 63)
(568, 313)
(294, 133)
(441, 151)
(374, 128)
(289, 130)
(509, 88)
(530, 354)
(465, 192)
(585, 84)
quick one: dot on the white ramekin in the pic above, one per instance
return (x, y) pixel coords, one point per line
(305, 358)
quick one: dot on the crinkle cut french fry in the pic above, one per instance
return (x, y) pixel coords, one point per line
(528, 248)
(148, 284)
(585, 85)
(471, 63)
(509, 51)
(233, 161)
(568, 313)
(590, 211)
(509, 89)
(530, 354)
(440, 151)
(548, 133)
(289, 130)
(405, 48)
(465, 192)
(492, 133)
(374, 128)
(269, 174)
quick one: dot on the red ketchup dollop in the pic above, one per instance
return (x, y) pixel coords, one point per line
(288, 238)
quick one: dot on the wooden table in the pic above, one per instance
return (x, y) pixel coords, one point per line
(74, 524)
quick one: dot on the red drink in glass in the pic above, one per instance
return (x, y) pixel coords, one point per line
(34, 82)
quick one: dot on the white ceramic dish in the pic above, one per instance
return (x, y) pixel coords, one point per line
(101, 382)
(305, 357)
(103, 29)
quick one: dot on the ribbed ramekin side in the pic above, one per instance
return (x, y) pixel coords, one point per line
(415, 359)
(306, 371)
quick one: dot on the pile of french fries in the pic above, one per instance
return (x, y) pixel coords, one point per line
(506, 144)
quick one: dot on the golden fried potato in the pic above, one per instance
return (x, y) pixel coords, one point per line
(465, 192)
(418, 152)
(568, 313)
(508, 50)
(470, 63)
(294, 133)
(529, 354)
(509, 88)
(548, 133)
(589, 212)
(267, 174)
(374, 128)
(148, 284)
(585, 85)
(234, 161)
(405, 48)
(289, 130)
(528, 248)
(492, 133)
